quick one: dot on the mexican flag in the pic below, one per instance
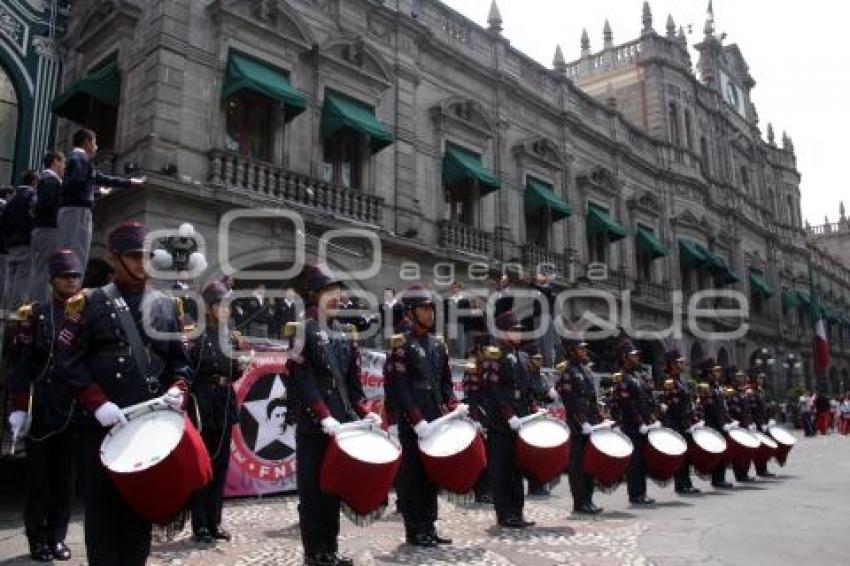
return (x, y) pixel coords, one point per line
(821, 340)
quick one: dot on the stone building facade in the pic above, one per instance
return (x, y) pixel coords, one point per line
(833, 237)
(29, 76)
(407, 119)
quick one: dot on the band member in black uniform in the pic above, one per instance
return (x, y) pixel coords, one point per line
(582, 409)
(714, 412)
(739, 410)
(418, 389)
(759, 413)
(325, 380)
(635, 405)
(508, 397)
(215, 368)
(541, 394)
(52, 440)
(679, 415)
(473, 396)
(110, 362)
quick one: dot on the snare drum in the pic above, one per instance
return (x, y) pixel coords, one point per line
(360, 466)
(453, 455)
(706, 449)
(607, 456)
(156, 460)
(741, 447)
(785, 441)
(664, 453)
(766, 450)
(542, 449)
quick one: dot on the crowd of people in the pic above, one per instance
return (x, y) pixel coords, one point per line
(820, 414)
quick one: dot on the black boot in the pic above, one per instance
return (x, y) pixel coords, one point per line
(60, 551)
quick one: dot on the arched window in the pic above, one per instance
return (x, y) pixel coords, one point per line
(8, 126)
(673, 119)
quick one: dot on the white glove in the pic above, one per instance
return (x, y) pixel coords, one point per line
(515, 423)
(109, 414)
(752, 427)
(330, 426)
(374, 417)
(586, 428)
(729, 426)
(644, 429)
(655, 424)
(553, 395)
(393, 431)
(462, 409)
(422, 429)
(16, 421)
(699, 424)
(174, 399)
(771, 422)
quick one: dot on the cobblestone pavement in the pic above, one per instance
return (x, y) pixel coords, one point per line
(753, 524)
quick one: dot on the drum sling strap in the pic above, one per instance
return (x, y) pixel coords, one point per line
(131, 332)
(427, 372)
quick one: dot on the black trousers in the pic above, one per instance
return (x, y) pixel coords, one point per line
(636, 472)
(581, 483)
(508, 491)
(682, 479)
(318, 512)
(51, 466)
(115, 534)
(207, 503)
(483, 487)
(417, 495)
(741, 472)
(761, 469)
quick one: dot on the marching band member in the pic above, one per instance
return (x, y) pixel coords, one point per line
(542, 395)
(714, 412)
(99, 355)
(633, 397)
(473, 395)
(52, 441)
(739, 410)
(418, 387)
(215, 401)
(325, 378)
(758, 410)
(679, 415)
(582, 410)
(508, 395)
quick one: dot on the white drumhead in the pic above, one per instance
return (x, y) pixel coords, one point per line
(370, 446)
(667, 441)
(709, 440)
(612, 443)
(544, 433)
(766, 440)
(744, 437)
(143, 442)
(782, 436)
(450, 438)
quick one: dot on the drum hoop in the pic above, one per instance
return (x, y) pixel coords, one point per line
(120, 427)
(380, 432)
(615, 432)
(458, 418)
(670, 432)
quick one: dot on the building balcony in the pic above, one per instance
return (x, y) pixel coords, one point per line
(536, 258)
(651, 293)
(466, 239)
(258, 178)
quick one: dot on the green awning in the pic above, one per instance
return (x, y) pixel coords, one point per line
(540, 195)
(462, 165)
(804, 298)
(245, 73)
(647, 242)
(340, 111)
(758, 283)
(692, 253)
(790, 300)
(600, 221)
(102, 83)
(721, 270)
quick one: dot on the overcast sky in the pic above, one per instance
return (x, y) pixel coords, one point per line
(794, 51)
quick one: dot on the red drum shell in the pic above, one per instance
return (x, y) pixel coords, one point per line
(607, 456)
(741, 447)
(785, 441)
(458, 470)
(703, 449)
(542, 449)
(664, 453)
(766, 450)
(346, 471)
(157, 492)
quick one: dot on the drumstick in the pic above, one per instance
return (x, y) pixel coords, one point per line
(606, 424)
(445, 418)
(150, 405)
(534, 416)
(356, 425)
